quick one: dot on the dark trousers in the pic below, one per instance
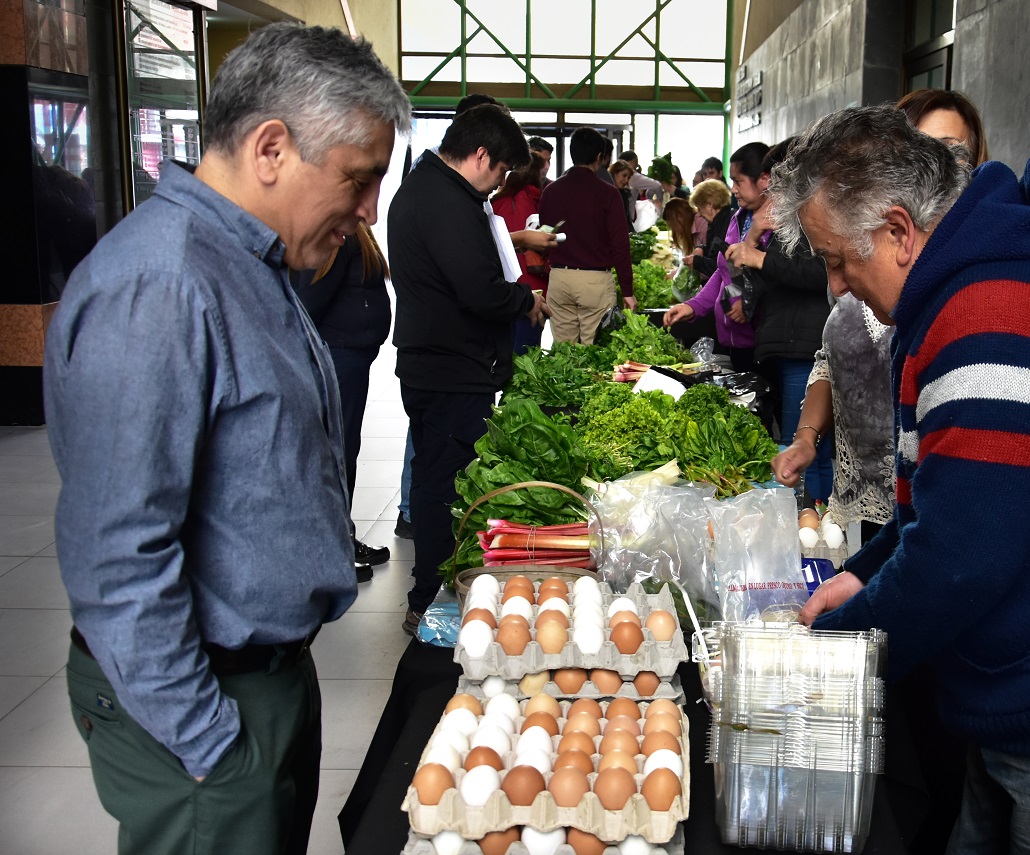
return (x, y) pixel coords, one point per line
(259, 798)
(352, 367)
(444, 430)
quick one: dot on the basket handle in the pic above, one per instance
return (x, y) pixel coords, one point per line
(507, 488)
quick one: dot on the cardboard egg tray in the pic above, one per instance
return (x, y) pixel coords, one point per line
(661, 657)
(424, 846)
(498, 814)
(671, 689)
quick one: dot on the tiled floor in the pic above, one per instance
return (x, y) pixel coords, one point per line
(47, 802)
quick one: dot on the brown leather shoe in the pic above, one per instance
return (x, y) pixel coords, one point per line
(411, 621)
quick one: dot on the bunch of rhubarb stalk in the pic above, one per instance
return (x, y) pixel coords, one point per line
(629, 372)
(507, 543)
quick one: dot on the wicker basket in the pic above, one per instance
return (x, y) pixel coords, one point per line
(463, 580)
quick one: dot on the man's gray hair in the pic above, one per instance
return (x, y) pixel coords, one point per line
(326, 87)
(860, 162)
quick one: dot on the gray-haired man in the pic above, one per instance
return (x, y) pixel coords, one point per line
(203, 528)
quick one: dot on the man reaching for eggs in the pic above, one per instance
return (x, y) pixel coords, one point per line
(946, 261)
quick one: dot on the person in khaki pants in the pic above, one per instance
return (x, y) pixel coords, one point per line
(581, 285)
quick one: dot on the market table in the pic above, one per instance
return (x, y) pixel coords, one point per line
(372, 822)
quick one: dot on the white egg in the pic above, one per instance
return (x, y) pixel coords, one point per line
(622, 604)
(518, 606)
(478, 784)
(555, 603)
(809, 537)
(498, 719)
(504, 703)
(487, 583)
(476, 637)
(458, 741)
(481, 600)
(444, 754)
(535, 738)
(491, 736)
(664, 758)
(634, 845)
(833, 534)
(542, 842)
(493, 686)
(539, 760)
(588, 637)
(592, 616)
(448, 842)
(462, 720)
(826, 519)
(586, 583)
(587, 595)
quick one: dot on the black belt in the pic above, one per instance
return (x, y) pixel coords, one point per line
(591, 269)
(226, 662)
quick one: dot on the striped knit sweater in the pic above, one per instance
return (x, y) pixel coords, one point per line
(949, 577)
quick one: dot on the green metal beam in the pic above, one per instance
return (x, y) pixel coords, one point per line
(592, 105)
(429, 77)
(728, 87)
(699, 92)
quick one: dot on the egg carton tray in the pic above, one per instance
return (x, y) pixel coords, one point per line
(671, 689)
(661, 657)
(498, 814)
(417, 845)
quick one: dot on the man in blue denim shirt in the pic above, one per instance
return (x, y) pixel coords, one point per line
(202, 527)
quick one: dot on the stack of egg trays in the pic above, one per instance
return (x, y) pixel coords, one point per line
(671, 689)
(661, 657)
(498, 814)
(797, 734)
(417, 845)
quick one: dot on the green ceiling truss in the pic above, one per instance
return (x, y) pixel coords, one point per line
(572, 99)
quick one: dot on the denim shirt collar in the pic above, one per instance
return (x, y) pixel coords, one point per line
(180, 186)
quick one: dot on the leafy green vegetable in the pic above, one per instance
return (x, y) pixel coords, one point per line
(687, 282)
(661, 168)
(651, 287)
(553, 379)
(634, 435)
(642, 244)
(641, 341)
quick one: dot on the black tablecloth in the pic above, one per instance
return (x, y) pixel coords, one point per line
(426, 678)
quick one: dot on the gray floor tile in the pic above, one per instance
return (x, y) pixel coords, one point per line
(14, 690)
(34, 584)
(385, 408)
(48, 551)
(370, 502)
(389, 426)
(28, 499)
(351, 711)
(33, 642)
(25, 535)
(381, 448)
(379, 473)
(40, 730)
(27, 469)
(52, 811)
(333, 788)
(360, 646)
(9, 562)
(26, 440)
(387, 592)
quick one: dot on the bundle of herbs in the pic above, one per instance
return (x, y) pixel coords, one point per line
(558, 377)
(651, 286)
(642, 244)
(638, 340)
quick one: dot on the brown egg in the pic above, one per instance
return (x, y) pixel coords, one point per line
(568, 785)
(660, 739)
(622, 706)
(558, 585)
(808, 518)
(483, 756)
(627, 636)
(497, 842)
(607, 682)
(570, 680)
(431, 781)
(660, 788)
(552, 636)
(620, 617)
(646, 683)
(623, 722)
(575, 740)
(533, 684)
(617, 758)
(521, 785)
(540, 719)
(482, 614)
(525, 593)
(618, 740)
(584, 843)
(519, 583)
(542, 703)
(513, 619)
(663, 625)
(662, 705)
(663, 721)
(585, 705)
(513, 638)
(580, 759)
(549, 615)
(464, 701)
(585, 722)
(613, 787)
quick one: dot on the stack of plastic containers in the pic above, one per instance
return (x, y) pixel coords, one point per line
(797, 733)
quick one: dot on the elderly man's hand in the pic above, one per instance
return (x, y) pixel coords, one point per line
(534, 239)
(679, 312)
(830, 594)
(745, 255)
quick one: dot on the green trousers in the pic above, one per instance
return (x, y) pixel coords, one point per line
(259, 798)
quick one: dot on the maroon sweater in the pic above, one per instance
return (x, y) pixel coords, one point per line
(595, 224)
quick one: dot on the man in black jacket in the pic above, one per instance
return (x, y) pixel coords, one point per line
(454, 315)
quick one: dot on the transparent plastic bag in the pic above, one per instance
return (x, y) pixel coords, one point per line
(758, 556)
